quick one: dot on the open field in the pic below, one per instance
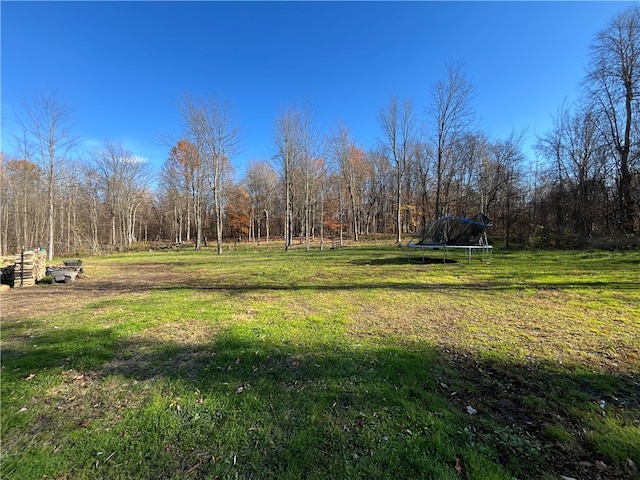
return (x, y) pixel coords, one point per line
(349, 363)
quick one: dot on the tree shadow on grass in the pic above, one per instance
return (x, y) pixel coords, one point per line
(405, 261)
(246, 404)
(234, 287)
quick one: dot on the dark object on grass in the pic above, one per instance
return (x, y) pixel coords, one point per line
(8, 275)
(62, 275)
(72, 269)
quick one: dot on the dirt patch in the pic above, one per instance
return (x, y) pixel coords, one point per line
(46, 300)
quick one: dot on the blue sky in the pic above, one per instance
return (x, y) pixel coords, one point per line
(123, 67)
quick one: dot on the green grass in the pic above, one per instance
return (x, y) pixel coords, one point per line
(349, 363)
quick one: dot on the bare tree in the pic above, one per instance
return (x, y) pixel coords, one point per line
(286, 140)
(309, 150)
(398, 127)
(452, 116)
(349, 161)
(613, 80)
(46, 123)
(21, 210)
(92, 198)
(506, 163)
(576, 153)
(174, 194)
(211, 127)
(4, 207)
(262, 182)
(184, 176)
(123, 180)
(423, 156)
(378, 191)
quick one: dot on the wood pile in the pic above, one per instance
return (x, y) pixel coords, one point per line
(30, 266)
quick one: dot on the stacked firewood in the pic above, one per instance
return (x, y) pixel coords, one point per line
(40, 264)
(30, 266)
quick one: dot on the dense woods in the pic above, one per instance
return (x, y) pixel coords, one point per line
(321, 184)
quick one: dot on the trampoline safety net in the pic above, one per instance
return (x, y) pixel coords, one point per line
(454, 231)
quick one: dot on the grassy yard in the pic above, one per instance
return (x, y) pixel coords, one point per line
(344, 364)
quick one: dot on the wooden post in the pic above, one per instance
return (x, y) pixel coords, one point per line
(22, 267)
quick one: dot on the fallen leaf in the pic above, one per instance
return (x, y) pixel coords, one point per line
(458, 466)
(85, 424)
(600, 465)
(23, 409)
(471, 410)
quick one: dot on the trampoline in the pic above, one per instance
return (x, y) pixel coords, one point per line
(449, 233)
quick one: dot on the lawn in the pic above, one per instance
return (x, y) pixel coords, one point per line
(346, 363)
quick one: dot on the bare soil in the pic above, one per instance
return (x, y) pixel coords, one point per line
(26, 302)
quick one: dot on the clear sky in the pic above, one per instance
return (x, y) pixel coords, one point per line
(123, 67)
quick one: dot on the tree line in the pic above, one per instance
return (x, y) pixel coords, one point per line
(321, 184)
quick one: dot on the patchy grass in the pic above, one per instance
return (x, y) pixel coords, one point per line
(350, 363)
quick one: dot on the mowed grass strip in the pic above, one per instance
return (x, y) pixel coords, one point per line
(346, 363)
